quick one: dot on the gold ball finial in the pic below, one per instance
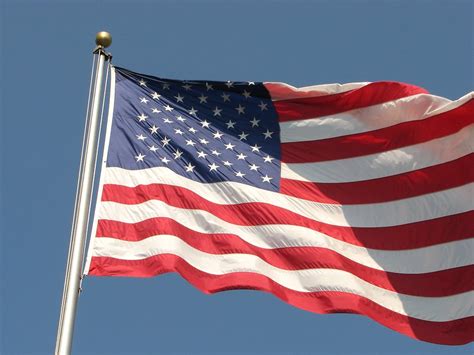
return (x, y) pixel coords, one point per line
(103, 39)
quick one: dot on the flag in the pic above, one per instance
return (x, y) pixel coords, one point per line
(335, 198)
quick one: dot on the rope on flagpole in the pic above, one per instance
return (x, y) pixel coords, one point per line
(96, 156)
(86, 128)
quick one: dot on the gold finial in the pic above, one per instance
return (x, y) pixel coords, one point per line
(103, 39)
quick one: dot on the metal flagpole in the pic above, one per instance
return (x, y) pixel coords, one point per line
(85, 184)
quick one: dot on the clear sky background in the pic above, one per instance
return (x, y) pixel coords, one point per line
(45, 68)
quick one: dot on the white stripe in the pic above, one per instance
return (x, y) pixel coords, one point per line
(414, 261)
(392, 213)
(366, 119)
(389, 163)
(283, 91)
(438, 309)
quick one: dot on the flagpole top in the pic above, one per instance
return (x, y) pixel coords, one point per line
(103, 39)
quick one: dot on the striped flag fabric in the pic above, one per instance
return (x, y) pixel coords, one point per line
(353, 198)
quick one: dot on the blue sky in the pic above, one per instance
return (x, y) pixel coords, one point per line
(45, 68)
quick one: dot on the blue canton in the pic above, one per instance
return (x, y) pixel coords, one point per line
(205, 131)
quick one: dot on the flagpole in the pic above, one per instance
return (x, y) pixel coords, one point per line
(85, 186)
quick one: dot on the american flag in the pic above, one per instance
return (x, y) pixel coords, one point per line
(335, 198)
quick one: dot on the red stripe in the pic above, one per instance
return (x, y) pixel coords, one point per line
(381, 140)
(414, 183)
(368, 95)
(454, 332)
(408, 236)
(434, 284)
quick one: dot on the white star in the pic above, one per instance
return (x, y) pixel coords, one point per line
(153, 129)
(141, 137)
(192, 111)
(215, 152)
(213, 166)
(202, 155)
(241, 156)
(168, 108)
(155, 110)
(142, 117)
(165, 160)
(192, 130)
(225, 97)
(167, 120)
(165, 141)
(268, 159)
(181, 118)
(140, 157)
(178, 131)
(190, 142)
(142, 82)
(204, 141)
(153, 148)
(143, 100)
(217, 111)
(243, 136)
(189, 168)
(229, 84)
(177, 154)
(209, 87)
(227, 163)
(239, 174)
(155, 96)
(263, 106)
(255, 148)
(202, 99)
(204, 124)
(230, 124)
(254, 122)
(266, 178)
(267, 134)
(253, 167)
(217, 135)
(179, 98)
(187, 87)
(166, 86)
(229, 146)
(246, 94)
(240, 109)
